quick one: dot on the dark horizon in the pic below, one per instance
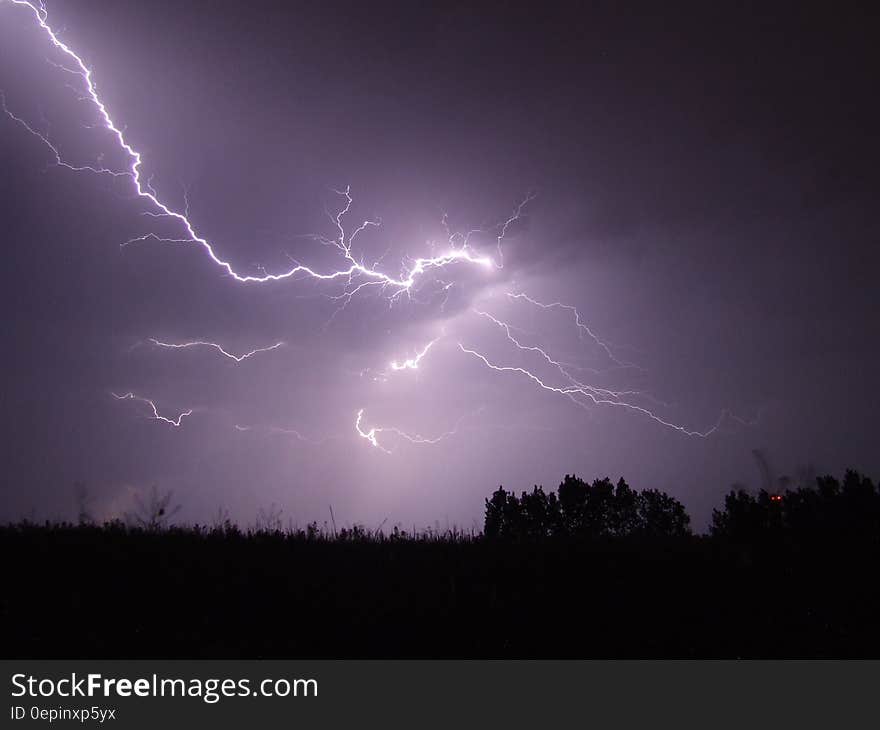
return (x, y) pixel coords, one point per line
(704, 186)
(595, 570)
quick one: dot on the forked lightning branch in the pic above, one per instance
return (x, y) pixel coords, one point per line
(353, 276)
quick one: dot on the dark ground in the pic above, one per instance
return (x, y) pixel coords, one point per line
(115, 592)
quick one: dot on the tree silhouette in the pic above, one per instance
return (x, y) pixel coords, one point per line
(661, 515)
(848, 511)
(583, 510)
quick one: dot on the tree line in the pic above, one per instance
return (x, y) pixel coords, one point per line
(848, 509)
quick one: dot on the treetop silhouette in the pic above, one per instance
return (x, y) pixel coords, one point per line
(580, 509)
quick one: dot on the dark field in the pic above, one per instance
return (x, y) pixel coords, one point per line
(786, 577)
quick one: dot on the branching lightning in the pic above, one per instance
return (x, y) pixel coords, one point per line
(583, 329)
(156, 415)
(592, 395)
(373, 434)
(560, 366)
(412, 363)
(354, 274)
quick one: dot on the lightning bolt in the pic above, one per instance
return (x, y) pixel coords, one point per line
(373, 434)
(156, 415)
(368, 435)
(354, 274)
(413, 362)
(225, 353)
(560, 366)
(353, 269)
(278, 431)
(593, 395)
(582, 327)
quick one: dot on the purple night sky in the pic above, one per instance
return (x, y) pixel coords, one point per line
(704, 196)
